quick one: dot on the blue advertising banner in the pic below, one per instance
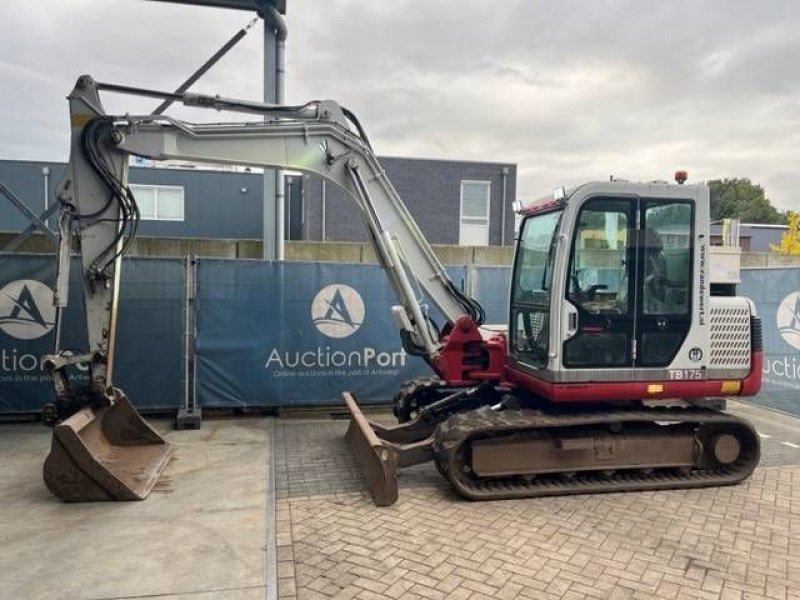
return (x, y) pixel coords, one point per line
(776, 294)
(150, 348)
(149, 364)
(298, 334)
(272, 334)
(491, 290)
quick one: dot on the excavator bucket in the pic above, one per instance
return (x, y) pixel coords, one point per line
(376, 459)
(110, 453)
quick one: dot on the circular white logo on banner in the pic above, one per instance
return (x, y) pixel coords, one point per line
(26, 309)
(788, 319)
(337, 310)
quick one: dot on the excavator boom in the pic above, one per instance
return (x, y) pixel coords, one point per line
(102, 448)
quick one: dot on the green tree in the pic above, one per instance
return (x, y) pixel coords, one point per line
(790, 241)
(741, 199)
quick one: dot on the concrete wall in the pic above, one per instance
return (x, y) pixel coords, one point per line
(346, 252)
(340, 252)
(768, 259)
(358, 252)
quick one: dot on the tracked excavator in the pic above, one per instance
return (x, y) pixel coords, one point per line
(609, 375)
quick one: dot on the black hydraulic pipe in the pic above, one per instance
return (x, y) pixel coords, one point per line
(205, 67)
(135, 91)
(206, 101)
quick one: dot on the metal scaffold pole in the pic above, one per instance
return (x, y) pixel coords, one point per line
(274, 185)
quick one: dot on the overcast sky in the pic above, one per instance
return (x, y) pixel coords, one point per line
(569, 91)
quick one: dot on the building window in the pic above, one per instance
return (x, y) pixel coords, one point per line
(159, 202)
(474, 230)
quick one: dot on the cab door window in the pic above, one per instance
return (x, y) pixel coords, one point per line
(666, 258)
(599, 284)
(665, 254)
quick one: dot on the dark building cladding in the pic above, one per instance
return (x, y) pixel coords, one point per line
(431, 189)
(753, 237)
(228, 204)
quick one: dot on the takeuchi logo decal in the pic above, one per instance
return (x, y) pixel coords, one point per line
(788, 319)
(337, 311)
(26, 309)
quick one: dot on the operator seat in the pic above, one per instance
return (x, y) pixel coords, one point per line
(656, 280)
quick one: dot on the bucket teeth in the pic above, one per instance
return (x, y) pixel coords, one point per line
(109, 453)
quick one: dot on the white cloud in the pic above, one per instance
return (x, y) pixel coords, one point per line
(569, 91)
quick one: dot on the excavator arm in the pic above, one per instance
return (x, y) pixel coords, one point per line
(99, 210)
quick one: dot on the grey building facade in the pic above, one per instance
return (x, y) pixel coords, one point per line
(216, 204)
(453, 201)
(432, 190)
(753, 237)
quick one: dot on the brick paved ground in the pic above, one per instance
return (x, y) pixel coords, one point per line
(740, 542)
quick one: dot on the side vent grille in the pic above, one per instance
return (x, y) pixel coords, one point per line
(731, 334)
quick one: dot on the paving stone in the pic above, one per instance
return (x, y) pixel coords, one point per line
(733, 543)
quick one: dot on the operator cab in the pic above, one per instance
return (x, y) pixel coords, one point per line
(603, 281)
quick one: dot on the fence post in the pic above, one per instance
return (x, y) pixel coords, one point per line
(190, 415)
(470, 279)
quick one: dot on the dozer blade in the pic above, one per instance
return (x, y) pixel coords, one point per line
(376, 459)
(110, 453)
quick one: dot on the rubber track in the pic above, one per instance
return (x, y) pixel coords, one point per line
(404, 398)
(459, 429)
